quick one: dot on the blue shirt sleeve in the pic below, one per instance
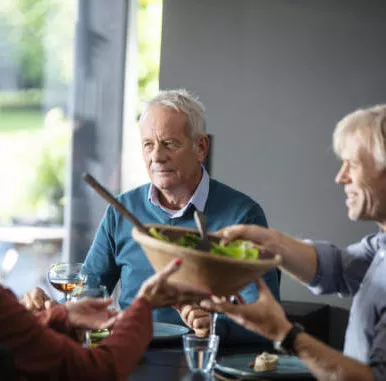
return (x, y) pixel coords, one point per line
(100, 258)
(377, 355)
(342, 271)
(231, 332)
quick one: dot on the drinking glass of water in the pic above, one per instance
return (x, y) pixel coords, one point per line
(92, 290)
(200, 352)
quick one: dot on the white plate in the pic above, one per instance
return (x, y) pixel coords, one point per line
(166, 331)
(288, 368)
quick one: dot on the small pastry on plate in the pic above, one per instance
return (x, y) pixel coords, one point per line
(265, 362)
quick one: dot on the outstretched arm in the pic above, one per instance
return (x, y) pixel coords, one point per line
(267, 318)
(39, 350)
(327, 364)
(299, 258)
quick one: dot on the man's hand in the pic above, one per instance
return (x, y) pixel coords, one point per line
(272, 240)
(91, 313)
(159, 292)
(298, 258)
(265, 316)
(37, 300)
(196, 318)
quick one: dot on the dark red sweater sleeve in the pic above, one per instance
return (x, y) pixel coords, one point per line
(39, 352)
(56, 318)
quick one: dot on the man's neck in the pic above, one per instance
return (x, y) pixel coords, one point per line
(177, 198)
(174, 200)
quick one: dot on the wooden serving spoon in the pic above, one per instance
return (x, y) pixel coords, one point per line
(105, 194)
(204, 243)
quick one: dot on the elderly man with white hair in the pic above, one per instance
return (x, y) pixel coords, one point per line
(174, 147)
(358, 270)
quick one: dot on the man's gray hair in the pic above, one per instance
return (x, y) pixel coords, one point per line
(182, 100)
(370, 123)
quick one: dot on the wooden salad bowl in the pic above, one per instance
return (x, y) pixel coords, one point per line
(222, 275)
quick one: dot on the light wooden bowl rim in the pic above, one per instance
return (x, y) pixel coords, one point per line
(180, 251)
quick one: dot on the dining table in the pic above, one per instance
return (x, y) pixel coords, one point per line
(165, 360)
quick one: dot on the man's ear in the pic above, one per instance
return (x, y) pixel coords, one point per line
(202, 147)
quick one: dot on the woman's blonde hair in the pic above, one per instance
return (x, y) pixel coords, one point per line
(370, 123)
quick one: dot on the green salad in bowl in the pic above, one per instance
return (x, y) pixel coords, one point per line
(238, 249)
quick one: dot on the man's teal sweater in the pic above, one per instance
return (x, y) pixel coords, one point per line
(115, 255)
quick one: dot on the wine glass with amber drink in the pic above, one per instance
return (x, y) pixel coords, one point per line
(65, 277)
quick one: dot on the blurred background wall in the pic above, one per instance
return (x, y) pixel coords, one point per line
(275, 77)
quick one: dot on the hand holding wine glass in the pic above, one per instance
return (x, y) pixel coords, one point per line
(37, 300)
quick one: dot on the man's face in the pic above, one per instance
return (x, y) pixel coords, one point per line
(364, 183)
(172, 159)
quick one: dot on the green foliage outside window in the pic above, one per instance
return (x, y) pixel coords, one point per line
(28, 22)
(46, 190)
(149, 47)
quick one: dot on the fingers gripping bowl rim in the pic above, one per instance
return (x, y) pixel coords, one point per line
(221, 275)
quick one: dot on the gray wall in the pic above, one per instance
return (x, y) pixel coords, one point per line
(275, 77)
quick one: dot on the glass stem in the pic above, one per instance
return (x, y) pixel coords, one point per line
(213, 320)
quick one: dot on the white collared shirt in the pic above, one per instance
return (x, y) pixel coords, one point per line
(198, 199)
